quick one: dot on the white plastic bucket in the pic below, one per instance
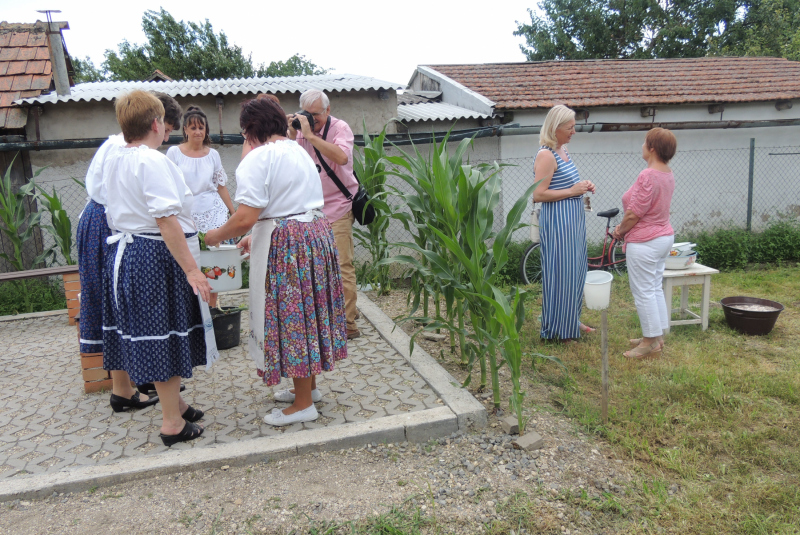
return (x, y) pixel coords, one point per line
(223, 267)
(597, 289)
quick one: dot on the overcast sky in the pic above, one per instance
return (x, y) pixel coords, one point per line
(383, 40)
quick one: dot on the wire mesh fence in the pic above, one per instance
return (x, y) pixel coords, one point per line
(714, 189)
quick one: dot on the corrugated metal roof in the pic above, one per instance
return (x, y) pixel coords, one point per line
(436, 111)
(290, 84)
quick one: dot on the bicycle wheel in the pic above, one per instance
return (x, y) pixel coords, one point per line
(616, 256)
(530, 269)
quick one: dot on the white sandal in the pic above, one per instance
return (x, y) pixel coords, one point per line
(279, 419)
(287, 396)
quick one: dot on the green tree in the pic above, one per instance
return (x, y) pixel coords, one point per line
(765, 28)
(589, 29)
(190, 51)
(296, 65)
(85, 71)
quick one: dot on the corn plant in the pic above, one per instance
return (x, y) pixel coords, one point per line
(18, 223)
(60, 228)
(370, 168)
(463, 255)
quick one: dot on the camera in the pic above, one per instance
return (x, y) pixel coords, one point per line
(296, 122)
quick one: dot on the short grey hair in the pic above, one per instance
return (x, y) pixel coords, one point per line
(311, 96)
(557, 116)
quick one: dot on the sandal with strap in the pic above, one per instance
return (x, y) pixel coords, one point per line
(636, 341)
(192, 415)
(585, 329)
(639, 353)
(190, 432)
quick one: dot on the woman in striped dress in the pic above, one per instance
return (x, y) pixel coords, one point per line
(562, 226)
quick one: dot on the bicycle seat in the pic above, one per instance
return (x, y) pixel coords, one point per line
(608, 213)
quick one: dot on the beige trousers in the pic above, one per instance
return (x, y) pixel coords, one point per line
(343, 234)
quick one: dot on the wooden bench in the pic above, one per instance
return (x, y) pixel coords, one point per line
(95, 378)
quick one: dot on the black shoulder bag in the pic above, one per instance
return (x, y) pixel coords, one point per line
(362, 208)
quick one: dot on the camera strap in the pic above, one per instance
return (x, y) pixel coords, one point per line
(331, 174)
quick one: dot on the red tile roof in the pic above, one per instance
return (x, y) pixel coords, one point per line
(25, 68)
(629, 82)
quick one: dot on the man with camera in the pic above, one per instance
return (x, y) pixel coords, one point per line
(331, 140)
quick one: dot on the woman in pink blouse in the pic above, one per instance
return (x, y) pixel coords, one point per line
(649, 237)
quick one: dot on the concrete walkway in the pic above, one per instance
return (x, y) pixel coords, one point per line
(54, 437)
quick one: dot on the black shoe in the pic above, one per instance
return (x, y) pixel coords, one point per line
(149, 389)
(190, 432)
(192, 415)
(119, 403)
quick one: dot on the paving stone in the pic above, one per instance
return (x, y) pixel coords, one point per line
(50, 426)
(529, 441)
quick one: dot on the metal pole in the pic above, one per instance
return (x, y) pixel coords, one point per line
(750, 184)
(604, 344)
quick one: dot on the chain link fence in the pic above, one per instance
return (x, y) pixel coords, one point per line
(714, 189)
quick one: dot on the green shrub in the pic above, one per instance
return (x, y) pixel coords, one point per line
(724, 248)
(778, 243)
(44, 295)
(509, 275)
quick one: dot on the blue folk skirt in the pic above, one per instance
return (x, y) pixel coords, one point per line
(92, 233)
(153, 328)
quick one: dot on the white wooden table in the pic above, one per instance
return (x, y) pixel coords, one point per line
(683, 278)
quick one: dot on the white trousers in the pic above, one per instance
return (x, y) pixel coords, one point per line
(645, 263)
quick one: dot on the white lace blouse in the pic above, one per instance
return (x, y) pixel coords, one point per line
(280, 178)
(143, 185)
(94, 176)
(203, 176)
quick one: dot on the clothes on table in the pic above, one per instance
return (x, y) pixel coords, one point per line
(297, 317)
(203, 176)
(562, 227)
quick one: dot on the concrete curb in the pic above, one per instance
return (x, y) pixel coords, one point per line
(469, 411)
(33, 315)
(460, 412)
(414, 427)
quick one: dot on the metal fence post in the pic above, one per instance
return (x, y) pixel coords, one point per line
(750, 184)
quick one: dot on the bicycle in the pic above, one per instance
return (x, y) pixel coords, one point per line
(613, 258)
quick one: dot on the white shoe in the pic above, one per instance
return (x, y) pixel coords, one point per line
(287, 396)
(279, 419)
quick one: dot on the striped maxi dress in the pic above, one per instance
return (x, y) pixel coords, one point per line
(562, 227)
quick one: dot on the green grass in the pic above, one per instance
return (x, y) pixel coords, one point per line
(717, 414)
(44, 295)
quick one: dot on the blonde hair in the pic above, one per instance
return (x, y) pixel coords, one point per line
(557, 116)
(135, 113)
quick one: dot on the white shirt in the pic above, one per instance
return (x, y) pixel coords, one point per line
(281, 178)
(143, 185)
(95, 186)
(203, 176)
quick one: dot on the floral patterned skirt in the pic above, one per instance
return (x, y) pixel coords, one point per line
(305, 327)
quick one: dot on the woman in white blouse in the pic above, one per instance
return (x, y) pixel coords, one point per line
(297, 319)
(203, 172)
(153, 323)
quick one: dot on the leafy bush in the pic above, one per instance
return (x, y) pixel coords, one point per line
(780, 242)
(734, 248)
(509, 274)
(42, 294)
(724, 248)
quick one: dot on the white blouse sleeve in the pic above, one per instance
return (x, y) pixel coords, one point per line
(94, 175)
(220, 177)
(163, 185)
(252, 179)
